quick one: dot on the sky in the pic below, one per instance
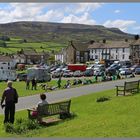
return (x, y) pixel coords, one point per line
(124, 16)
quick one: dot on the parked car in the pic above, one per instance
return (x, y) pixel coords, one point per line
(125, 71)
(22, 76)
(56, 74)
(134, 67)
(98, 72)
(77, 74)
(111, 71)
(91, 66)
(124, 67)
(89, 72)
(67, 73)
(137, 71)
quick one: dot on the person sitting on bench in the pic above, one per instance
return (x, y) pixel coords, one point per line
(40, 103)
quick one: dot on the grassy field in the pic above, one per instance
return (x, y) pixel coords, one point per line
(118, 117)
(15, 45)
(21, 87)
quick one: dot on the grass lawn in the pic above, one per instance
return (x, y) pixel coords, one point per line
(118, 117)
(21, 87)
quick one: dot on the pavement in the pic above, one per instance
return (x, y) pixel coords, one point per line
(58, 95)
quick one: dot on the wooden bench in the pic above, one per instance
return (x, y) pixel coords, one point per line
(131, 87)
(59, 108)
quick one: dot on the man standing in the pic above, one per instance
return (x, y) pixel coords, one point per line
(59, 82)
(27, 83)
(34, 83)
(10, 97)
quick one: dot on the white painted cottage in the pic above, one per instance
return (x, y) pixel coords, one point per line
(6, 62)
(19, 58)
(110, 50)
(7, 68)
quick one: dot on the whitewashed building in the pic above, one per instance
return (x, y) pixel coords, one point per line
(19, 58)
(135, 51)
(7, 68)
(7, 62)
(111, 50)
(61, 56)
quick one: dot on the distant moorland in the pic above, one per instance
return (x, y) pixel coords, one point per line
(53, 36)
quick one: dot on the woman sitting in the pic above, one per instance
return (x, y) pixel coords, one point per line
(40, 103)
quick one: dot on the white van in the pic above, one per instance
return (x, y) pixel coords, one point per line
(40, 74)
(7, 74)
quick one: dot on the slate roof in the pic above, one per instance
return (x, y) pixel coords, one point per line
(110, 44)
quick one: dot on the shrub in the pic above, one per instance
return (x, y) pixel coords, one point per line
(31, 124)
(21, 126)
(102, 99)
(9, 128)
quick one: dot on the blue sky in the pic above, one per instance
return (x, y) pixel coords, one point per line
(124, 16)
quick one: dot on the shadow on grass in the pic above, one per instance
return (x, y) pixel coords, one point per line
(59, 120)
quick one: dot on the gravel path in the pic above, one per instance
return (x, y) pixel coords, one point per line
(31, 101)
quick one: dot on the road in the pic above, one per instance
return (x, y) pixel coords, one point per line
(31, 101)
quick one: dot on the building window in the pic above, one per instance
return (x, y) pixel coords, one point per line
(82, 59)
(96, 56)
(92, 51)
(116, 56)
(95, 50)
(116, 50)
(77, 53)
(8, 63)
(123, 56)
(123, 50)
(86, 56)
(77, 58)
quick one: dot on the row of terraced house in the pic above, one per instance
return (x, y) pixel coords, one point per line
(81, 52)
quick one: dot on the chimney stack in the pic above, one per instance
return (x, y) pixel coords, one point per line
(104, 40)
(126, 40)
(92, 41)
(136, 37)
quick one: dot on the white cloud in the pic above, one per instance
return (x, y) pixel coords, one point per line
(52, 15)
(136, 28)
(21, 11)
(121, 24)
(29, 12)
(86, 7)
(84, 19)
(117, 11)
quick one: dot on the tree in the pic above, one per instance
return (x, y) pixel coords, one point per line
(3, 44)
(25, 41)
(136, 37)
(5, 38)
(92, 41)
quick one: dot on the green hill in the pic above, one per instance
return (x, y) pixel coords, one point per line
(60, 32)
